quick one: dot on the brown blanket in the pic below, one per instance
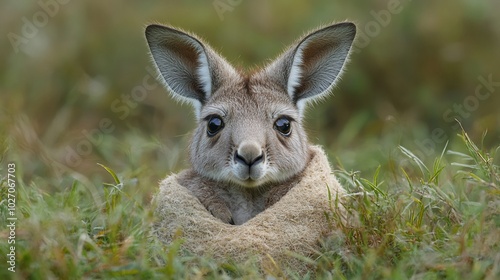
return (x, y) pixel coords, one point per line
(294, 224)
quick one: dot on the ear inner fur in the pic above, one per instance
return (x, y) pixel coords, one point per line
(189, 69)
(312, 68)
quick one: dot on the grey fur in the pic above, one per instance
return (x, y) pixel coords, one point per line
(248, 165)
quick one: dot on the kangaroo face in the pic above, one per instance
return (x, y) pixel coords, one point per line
(250, 134)
(250, 126)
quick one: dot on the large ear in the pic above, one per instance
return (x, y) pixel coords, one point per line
(310, 69)
(189, 69)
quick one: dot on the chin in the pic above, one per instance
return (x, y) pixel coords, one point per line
(251, 183)
(263, 181)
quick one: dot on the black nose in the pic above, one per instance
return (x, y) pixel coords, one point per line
(249, 159)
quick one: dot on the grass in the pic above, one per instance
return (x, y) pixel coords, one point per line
(422, 213)
(424, 226)
(415, 219)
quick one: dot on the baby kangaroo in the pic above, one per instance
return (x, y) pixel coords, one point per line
(249, 147)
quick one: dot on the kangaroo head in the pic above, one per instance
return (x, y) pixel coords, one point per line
(250, 126)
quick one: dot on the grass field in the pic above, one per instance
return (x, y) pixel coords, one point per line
(412, 131)
(419, 220)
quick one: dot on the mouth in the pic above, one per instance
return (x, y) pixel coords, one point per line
(249, 176)
(249, 179)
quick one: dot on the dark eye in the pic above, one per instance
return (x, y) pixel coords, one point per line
(283, 125)
(215, 124)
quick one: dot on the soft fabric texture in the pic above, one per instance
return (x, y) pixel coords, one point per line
(293, 224)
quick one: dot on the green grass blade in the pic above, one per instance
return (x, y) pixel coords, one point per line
(111, 172)
(415, 159)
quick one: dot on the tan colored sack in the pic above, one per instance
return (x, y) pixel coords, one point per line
(294, 224)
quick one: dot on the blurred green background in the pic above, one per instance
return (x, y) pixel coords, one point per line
(70, 70)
